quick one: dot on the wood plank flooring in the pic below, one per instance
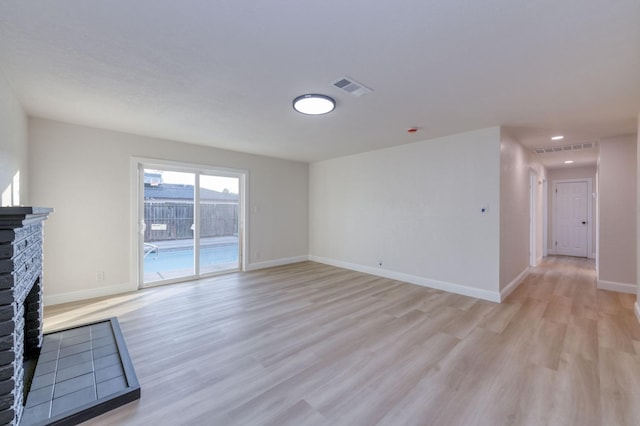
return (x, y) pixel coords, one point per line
(310, 344)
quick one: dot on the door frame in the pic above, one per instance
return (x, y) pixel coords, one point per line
(137, 164)
(545, 217)
(533, 218)
(589, 182)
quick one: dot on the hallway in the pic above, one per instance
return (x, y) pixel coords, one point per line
(584, 344)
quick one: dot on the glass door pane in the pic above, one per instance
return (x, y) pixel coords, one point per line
(168, 252)
(219, 223)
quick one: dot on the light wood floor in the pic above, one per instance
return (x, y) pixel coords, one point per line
(309, 344)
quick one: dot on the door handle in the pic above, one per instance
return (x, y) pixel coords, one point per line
(584, 222)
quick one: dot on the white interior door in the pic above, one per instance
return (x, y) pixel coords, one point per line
(571, 218)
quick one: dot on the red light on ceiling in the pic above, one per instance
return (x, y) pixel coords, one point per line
(412, 130)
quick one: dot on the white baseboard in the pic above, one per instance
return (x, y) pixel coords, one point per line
(637, 310)
(91, 293)
(275, 262)
(619, 287)
(514, 284)
(492, 296)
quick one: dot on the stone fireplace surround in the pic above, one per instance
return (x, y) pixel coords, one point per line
(20, 302)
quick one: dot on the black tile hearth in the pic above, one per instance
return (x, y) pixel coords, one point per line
(82, 372)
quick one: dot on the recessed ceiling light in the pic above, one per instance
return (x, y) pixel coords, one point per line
(568, 162)
(557, 138)
(314, 104)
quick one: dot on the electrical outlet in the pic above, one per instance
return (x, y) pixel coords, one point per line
(100, 276)
(380, 264)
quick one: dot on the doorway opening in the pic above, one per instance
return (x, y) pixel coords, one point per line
(190, 222)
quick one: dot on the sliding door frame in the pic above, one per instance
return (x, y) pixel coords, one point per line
(138, 164)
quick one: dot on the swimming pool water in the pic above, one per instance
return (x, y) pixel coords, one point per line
(175, 259)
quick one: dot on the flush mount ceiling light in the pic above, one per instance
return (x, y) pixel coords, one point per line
(568, 162)
(557, 138)
(314, 104)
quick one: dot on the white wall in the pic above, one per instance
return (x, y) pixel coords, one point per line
(13, 149)
(516, 165)
(572, 173)
(84, 173)
(617, 199)
(416, 208)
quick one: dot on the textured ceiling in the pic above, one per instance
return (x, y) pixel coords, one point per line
(224, 73)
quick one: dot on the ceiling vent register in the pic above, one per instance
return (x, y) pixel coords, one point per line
(573, 147)
(351, 86)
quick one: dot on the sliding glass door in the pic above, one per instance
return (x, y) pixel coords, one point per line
(191, 223)
(219, 223)
(168, 251)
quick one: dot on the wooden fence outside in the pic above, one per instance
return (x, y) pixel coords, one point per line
(171, 220)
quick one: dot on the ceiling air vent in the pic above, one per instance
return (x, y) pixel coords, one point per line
(351, 86)
(573, 147)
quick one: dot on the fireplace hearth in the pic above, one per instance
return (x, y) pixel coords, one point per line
(20, 302)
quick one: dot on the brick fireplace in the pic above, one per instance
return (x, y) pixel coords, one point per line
(20, 302)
